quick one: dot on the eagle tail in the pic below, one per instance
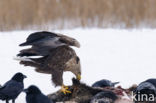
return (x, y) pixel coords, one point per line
(23, 59)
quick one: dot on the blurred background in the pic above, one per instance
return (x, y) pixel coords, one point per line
(67, 14)
(117, 37)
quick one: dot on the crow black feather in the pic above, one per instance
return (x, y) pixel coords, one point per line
(34, 95)
(104, 83)
(11, 89)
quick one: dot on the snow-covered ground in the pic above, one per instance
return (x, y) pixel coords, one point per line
(117, 55)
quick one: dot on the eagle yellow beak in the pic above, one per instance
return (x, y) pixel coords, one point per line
(78, 77)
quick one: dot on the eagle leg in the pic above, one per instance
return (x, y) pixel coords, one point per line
(64, 89)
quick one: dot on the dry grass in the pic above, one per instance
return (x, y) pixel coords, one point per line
(45, 14)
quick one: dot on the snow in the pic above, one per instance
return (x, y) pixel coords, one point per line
(127, 56)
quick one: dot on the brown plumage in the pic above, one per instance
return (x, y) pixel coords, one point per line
(82, 93)
(58, 58)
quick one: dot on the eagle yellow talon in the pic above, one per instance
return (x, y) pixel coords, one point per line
(64, 89)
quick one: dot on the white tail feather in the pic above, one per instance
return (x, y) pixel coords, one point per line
(23, 59)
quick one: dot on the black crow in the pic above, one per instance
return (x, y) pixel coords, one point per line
(147, 87)
(11, 89)
(34, 95)
(104, 97)
(104, 83)
(145, 90)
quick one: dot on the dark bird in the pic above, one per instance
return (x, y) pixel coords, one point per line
(11, 89)
(43, 42)
(57, 56)
(34, 95)
(147, 87)
(104, 83)
(104, 97)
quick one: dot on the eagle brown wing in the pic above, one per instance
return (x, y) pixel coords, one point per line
(68, 40)
(56, 62)
(59, 57)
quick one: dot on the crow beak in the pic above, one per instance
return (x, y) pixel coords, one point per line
(24, 76)
(115, 83)
(25, 90)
